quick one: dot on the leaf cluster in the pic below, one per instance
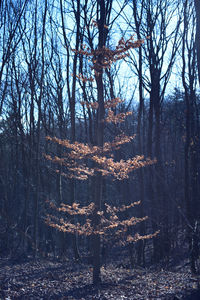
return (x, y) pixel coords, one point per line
(110, 221)
(103, 58)
(77, 155)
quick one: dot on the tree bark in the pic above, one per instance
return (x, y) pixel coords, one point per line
(101, 11)
(197, 9)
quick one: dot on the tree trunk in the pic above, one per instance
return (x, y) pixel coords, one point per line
(99, 140)
(197, 9)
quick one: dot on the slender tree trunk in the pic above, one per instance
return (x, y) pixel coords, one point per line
(73, 118)
(98, 180)
(187, 194)
(141, 244)
(99, 141)
(197, 9)
(39, 103)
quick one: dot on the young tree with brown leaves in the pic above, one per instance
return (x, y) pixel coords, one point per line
(80, 161)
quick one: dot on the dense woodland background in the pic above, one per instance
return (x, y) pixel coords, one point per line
(44, 92)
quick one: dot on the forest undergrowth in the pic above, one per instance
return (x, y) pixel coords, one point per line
(53, 278)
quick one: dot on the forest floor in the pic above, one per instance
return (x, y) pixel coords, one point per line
(47, 279)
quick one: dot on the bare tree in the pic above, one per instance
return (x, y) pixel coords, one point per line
(152, 20)
(189, 79)
(10, 18)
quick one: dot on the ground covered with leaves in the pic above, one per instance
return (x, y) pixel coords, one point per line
(48, 279)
